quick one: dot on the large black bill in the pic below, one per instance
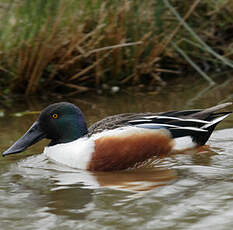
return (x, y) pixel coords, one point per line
(33, 135)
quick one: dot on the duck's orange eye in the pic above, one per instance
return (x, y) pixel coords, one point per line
(55, 116)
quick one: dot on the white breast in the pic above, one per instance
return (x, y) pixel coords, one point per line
(75, 154)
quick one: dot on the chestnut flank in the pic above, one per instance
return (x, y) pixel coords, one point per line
(117, 153)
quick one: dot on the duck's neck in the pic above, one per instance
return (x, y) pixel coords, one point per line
(71, 133)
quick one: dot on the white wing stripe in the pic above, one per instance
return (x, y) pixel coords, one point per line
(192, 128)
(178, 119)
(139, 120)
(171, 126)
(216, 120)
(156, 124)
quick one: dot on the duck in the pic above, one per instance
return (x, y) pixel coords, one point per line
(117, 142)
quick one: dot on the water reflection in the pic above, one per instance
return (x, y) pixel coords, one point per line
(69, 202)
(31, 183)
(39, 186)
(133, 180)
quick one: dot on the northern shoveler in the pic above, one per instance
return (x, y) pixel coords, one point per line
(120, 141)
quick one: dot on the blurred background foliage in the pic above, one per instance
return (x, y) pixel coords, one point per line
(75, 46)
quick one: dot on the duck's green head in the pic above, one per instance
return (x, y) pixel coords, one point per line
(60, 122)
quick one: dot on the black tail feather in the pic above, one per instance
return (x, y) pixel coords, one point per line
(218, 117)
(204, 137)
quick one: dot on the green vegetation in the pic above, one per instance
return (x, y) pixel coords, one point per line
(77, 45)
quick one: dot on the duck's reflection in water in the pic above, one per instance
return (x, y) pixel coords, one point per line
(134, 180)
(71, 192)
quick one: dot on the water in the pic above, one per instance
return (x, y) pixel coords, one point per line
(192, 191)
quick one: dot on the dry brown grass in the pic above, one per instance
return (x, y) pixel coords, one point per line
(82, 45)
(93, 50)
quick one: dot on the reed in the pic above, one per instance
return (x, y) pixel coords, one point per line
(80, 44)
